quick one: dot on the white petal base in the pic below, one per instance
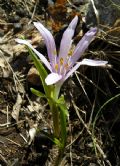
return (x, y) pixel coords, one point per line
(53, 78)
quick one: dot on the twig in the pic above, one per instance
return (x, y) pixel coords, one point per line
(89, 132)
(86, 127)
(95, 11)
(70, 143)
(83, 88)
(23, 138)
(73, 5)
(33, 12)
(3, 159)
(7, 116)
(5, 124)
(13, 142)
(92, 83)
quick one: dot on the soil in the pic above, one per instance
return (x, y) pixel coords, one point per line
(92, 94)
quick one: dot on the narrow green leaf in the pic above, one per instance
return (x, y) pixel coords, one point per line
(37, 93)
(63, 119)
(42, 71)
(61, 100)
(52, 138)
(61, 103)
(57, 142)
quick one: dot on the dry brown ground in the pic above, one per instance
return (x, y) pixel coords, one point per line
(93, 127)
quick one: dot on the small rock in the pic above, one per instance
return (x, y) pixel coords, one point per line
(33, 77)
(92, 164)
(17, 27)
(79, 2)
(21, 12)
(1, 33)
(108, 13)
(14, 18)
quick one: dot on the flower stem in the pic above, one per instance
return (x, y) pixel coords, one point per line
(55, 115)
(59, 122)
(55, 111)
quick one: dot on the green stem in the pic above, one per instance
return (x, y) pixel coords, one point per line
(55, 111)
(55, 115)
(59, 122)
(57, 90)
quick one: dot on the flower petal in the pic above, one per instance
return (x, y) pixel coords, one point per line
(42, 58)
(88, 62)
(82, 45)
(49, 41)
(53, 78)
(67, 39)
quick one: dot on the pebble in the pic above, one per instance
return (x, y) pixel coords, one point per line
(14, 18)
(79, 2)
(108, 14)
(33, 76)
(1, 33)
(17, 27)
(21, 12)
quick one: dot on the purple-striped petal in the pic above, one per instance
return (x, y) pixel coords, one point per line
(66, 41)
(42, 58)
(88, 62)
(53, 78)
(82, 45)
(49, 41)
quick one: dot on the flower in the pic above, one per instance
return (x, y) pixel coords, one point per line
(64, 64)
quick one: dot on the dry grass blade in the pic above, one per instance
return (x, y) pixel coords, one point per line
(3, 159)
(83, 89)
(17, 107)
(95, 11)
(88, 130)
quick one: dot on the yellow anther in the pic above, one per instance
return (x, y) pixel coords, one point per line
(56, 67)
(61, 61)
(70, 53)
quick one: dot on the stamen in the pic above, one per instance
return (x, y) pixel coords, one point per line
(70, 53)
(56, 67)
(61, 61)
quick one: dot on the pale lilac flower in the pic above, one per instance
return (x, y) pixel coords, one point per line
(64, 64)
